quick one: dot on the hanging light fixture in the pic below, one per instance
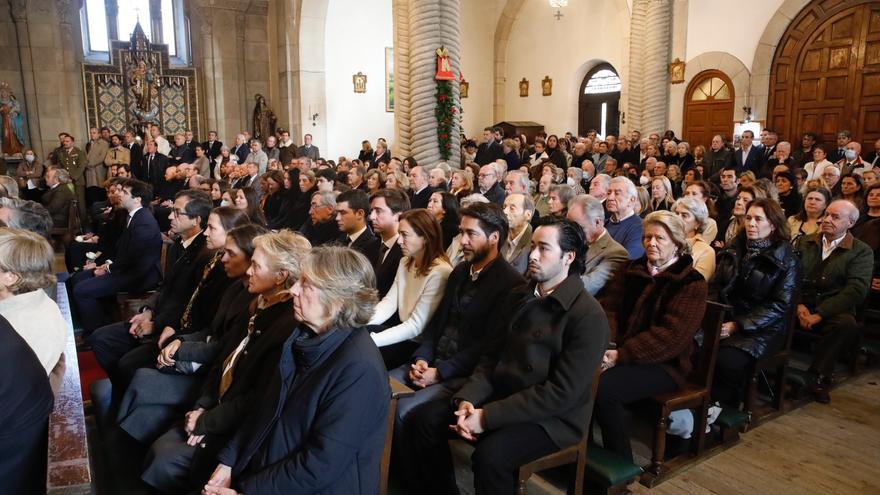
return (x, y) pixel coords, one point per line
(558, 4)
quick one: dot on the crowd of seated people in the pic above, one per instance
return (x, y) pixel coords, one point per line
(283, 289)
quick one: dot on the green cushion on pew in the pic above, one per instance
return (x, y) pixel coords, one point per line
(610, 468)
(731, 418)
(799, 378)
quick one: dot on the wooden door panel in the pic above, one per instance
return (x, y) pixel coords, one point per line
(826, 72)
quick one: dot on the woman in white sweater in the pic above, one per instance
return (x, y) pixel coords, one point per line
(814, 168)
(25, 270)
(417, 288)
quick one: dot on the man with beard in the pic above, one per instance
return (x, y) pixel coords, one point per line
(530, 394)
(472, 302)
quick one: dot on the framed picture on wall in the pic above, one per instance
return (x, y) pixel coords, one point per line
(389, 79)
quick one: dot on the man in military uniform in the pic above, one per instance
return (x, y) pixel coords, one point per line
(74, 160)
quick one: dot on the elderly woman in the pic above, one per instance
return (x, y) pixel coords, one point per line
(654, 307)
(557, 200)
(820, 162)
(444, 207)
(239, 375)
(417, 288)
(397, 180)
(746, 195)
(702, 191)
(462, 184)
(320, 426)
(25, 270)
(220, 167)
(693, 213)
(809, 219)
(661, 194)
(758, 277)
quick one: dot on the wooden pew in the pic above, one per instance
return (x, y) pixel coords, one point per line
(398, 390)
(68, 466)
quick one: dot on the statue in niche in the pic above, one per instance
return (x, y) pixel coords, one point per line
(264, 119)
(12, 139)
(143, 83)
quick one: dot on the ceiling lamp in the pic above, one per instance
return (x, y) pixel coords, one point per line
(558, 4)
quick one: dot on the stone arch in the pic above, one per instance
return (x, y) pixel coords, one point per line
(509, 15)
(763, 60)
(731, 66)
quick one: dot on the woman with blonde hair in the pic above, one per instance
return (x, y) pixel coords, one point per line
(396, 179)
(25, 270)
(661, 194)
(417, 288)
(462, 183)
(375, 180)
(693, 214)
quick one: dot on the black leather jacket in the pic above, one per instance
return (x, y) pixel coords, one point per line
(762, 292)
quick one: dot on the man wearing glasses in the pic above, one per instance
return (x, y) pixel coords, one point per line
(490, 185)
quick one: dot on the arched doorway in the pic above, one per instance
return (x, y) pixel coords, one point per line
(599, 101)
(708, 108)
(826, 73)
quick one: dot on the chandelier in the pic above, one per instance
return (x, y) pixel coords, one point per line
(558, 4)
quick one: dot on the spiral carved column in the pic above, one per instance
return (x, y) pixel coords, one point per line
(650, 43)
(431, 24)
(402, 95)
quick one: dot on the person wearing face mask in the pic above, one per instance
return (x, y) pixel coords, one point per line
(30, 176)
(852, 163)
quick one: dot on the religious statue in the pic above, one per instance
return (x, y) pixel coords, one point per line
(360, 82)
(264, 119)
(12, 139)
(142, 79)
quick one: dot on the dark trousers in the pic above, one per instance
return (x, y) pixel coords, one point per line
(497, 456)
(622, 385)
(839, 334)
(94, 194)
(120, 355)
(732, 368)
(87, 294)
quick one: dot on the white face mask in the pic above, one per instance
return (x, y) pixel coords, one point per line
(644, 180)
(571, 182)
(850, 154)
(29, 158)
(224, 203)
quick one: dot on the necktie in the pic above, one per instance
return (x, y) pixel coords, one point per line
(383, 249)
(150, 167)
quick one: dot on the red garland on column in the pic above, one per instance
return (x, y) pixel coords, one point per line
(446, 111)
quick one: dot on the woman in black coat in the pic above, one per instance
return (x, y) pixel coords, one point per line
(239, 375)
(320, 426)
(758, 275)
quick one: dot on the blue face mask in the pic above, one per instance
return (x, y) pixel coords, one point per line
(850, 154)
(29, 158)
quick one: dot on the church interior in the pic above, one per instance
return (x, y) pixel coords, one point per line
(601, 246)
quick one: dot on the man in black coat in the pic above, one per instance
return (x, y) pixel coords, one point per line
(490, 184)
(421, 188)
(472, 304)
(136, 153)
(186, 260)
(748, 156)
(530, 395)
(321, 227)
(352, 208)
(489, 150)
(136, 267)
(153, 165)
(386, 205)
(27, 401)
(212, 146)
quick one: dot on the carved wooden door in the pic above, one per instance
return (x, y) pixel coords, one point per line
(708, 108)
(826, 74)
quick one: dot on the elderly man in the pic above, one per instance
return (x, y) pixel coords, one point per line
(421, 188)
(519, 209)
(308, 149)
(715, 158)
(831, 176)
(604, 255)
(59, 196)
(258, 156)
(781, 157)
(623, 225)
(490, 185)
(599, 187)
(321, 227)
(852, 163)
(96, 170)
(837, 270)
(580, 154)
(241, 148)
(517, 182)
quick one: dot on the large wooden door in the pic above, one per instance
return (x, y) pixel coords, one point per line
(826, 73)
(708, 108)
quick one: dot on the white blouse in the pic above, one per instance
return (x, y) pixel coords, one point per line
(414, 298)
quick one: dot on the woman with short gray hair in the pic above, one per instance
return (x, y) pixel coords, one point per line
(336, 414)
(694, 213)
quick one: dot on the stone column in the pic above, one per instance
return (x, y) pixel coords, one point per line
(213, 108)
(27, 97)
(402, 126)
(432, 24)
(650, 44)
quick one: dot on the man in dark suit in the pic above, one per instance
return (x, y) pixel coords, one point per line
(530, 394)
(308, 150)
(252, 179)
(472, 304)
(136, 267)
(286, 148)
(27, 402)
(185, 265)
(421, 189)
(59, 196)
(386, 205)
(153, 166)
(715, 159)
(843, 138)
(321, 227)
(490, 184)
(212, 146)
(241, 148)
(748, 156)
(135, 153)
(352, 208)
(181, 152)
(605, 256)
(489, 150)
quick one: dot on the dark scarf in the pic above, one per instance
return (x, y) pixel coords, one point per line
(754, 248)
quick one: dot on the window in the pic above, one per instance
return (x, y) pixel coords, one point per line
(96, 43)
(603, 81)
(713, 88)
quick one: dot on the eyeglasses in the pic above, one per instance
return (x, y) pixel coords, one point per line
(179, 213)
